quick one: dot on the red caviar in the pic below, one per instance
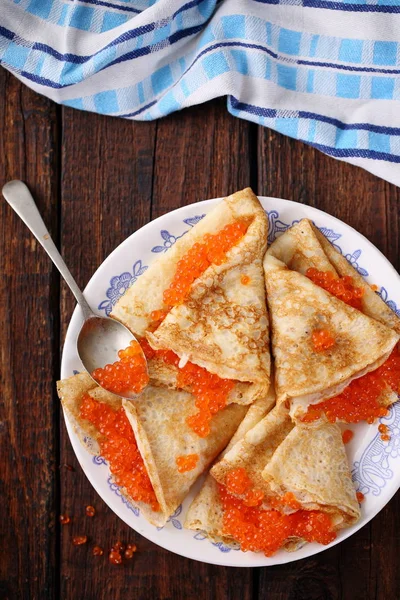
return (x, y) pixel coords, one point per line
(65, 519)
(347, 436)
(115, 558)
(90, 511)
(384, 431)
(97, 551)
(253, 497)
(237, 481)
(341, 287)
(69, 467)
(322, 340)
(360, 497)
(128, 374)
(79, 540)
(187, 463)
(130, 551)
(267, 530)
(212, 250)
(245, 279)
(359, 401)
(119, 448)
(211, 392)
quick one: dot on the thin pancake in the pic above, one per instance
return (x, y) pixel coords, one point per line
(304, 246)
(297, 308)
(158, 419)
(311, 463)
(71, 392)
(223, 325)
(205, 513)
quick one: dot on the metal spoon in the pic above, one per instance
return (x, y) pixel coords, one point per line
(100, 338)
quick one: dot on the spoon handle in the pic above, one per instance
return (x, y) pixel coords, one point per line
(20, 199)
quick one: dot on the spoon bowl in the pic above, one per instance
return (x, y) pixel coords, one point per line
(100, 338)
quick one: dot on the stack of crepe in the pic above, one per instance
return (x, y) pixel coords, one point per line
(223, 327)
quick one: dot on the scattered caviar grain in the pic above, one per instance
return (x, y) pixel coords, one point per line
(360, 497)
(128, 374)
(79, 540)
(385, 437)
(210, 391)
(245, 279)
(347, 436)
(118, 547)
(341, 287)
(130, 551)
(90, 511)
(289, 499)
(212, 250)
(187, 463)
(237, 481)
(322, 340)
(118, 446)
(97, 551)
(253, 497)
(69, 467)
(359, 401)
(374, 287)
(115, 558)
(65, 519)
(266, 531)
(383, 428)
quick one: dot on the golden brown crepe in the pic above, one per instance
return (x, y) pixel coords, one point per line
(304, 246)
(223, 323)
(205, 513)
(158, 419)
(280, 457)
(298, 307)
(311, 463)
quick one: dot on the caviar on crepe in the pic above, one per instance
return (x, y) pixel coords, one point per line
(128, 374)
(322, 340)
(359, 401)
(210, 391)
(187, 463)
(118, 446)
(341, 287)
(212, 250)
(266, 531)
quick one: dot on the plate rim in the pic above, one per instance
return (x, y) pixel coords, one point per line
(78, 449)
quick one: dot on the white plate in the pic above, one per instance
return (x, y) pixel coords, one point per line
(375, 464)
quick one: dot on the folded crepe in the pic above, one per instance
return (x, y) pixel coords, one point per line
(222, 325)
(158, 419)
(279, 457)
(206, 512)
(298, 308)
(304, 246)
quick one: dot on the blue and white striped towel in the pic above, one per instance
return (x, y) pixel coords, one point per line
(326, 72)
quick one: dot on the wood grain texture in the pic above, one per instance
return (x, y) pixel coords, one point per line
(29, 351)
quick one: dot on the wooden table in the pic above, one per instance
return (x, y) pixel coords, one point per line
(96, 180)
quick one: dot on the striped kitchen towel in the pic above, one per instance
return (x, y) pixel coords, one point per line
(326, 72)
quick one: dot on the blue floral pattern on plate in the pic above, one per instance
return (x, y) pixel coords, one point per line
(373, 470)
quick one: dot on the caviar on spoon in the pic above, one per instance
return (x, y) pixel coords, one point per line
(100, 339)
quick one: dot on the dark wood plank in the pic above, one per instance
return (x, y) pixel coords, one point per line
(364, 566)
(29, 350)
(197, 154)
(107, 167)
